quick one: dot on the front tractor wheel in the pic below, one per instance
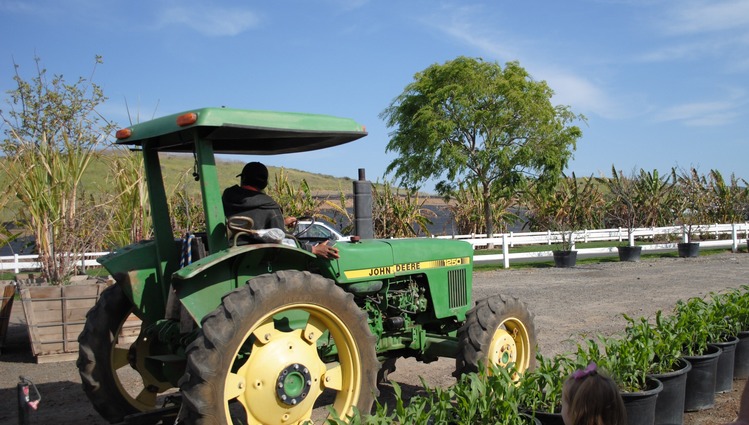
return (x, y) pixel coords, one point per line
(279, 349)
(498, 331)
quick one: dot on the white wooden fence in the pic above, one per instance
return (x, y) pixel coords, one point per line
(16, 262)
(711, 236)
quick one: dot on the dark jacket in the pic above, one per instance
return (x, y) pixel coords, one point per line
(261, 208)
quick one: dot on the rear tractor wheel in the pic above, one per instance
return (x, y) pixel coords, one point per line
(277, 351)
(498, 331)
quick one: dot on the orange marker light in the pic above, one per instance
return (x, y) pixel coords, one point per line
(123, 133)
(187, 119)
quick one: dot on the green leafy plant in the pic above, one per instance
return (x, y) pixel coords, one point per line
(52, 131)
(696, 326)
(396, 215)
(693, 200)
(541, 388)
(736, 304)
(657, 353)
(725, 315)
(488, 397)
(623, 202)
(574, 204)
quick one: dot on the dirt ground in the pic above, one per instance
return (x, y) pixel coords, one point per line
(568, 305)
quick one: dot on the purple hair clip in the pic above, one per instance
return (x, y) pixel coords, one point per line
(582, 373)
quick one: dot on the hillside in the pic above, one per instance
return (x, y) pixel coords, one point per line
(177, 170)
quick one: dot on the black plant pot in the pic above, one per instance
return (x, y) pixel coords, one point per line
(640, 405)
(565, 258)
(629, 253)
(688, 249)
(547, 418)
(724, 370)
(669, 407)
(529, 419)
(741, 359)
(700, 392)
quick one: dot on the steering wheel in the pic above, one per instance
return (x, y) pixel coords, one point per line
(306, 229)
(302, 234)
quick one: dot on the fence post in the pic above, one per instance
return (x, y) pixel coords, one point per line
(631, 238)
(16, 270)
(734, 237)
(572, 241)
(505, 253)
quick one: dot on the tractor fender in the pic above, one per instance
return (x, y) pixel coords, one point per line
(201, 285)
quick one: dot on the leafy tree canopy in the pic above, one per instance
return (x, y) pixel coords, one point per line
(473, 121)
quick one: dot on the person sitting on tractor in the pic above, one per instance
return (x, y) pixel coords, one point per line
(247, 199)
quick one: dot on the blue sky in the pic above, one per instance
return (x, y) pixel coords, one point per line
(663, 83)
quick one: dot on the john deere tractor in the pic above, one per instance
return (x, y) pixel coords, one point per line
(263, 331)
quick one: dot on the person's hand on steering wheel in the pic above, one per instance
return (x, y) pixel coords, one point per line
(290, 222)
(323, 250)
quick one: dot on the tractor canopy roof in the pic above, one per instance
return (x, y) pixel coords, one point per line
(238, 131)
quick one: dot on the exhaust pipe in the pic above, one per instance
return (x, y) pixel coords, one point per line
(363, 223)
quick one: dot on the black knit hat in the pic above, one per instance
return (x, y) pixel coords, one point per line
(254, 174)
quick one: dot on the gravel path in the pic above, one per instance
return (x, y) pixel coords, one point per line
(568, 304)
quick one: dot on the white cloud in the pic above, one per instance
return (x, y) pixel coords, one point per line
(463, 24)
(348, 5)
(701, 113)
(211, 21)
(580, 93)
(707, 16)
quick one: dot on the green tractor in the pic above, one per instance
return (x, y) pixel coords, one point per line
(265, 332)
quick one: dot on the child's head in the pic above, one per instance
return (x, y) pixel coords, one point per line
(591, 398)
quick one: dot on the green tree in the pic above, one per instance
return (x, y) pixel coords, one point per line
(52, 130)
(470, 121)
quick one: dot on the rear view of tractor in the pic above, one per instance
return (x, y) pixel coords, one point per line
(266, 332)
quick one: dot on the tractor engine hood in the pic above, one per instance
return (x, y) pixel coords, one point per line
(383, 258)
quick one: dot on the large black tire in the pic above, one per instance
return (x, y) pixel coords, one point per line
(100, 358)
(498, 330)
(282, 377)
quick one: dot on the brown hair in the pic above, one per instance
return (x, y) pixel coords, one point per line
(592, 399)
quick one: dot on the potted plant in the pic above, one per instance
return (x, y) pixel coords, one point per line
(664, 363)
(720, 313)
(574, 204)
(541, 388)
(692, 203)
(694, 335)
(622, 210)
(626, 360)
(737, 309)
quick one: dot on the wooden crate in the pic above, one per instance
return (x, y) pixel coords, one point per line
(7, 293)
(130, 330)
(55, 316)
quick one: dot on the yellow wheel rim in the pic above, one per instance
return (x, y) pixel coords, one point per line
(284, 375)
(143, 397)
(510, 344)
